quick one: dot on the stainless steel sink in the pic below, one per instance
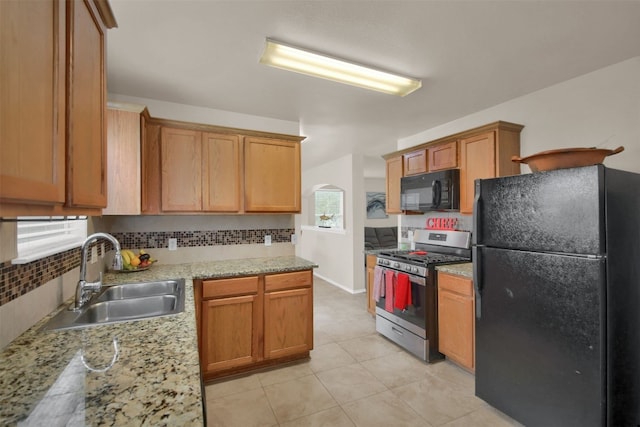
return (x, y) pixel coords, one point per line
(125, 302)
(142, 289)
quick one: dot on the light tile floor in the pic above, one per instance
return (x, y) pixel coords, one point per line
(354, 377)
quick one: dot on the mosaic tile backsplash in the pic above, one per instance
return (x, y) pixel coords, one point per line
(18, 279)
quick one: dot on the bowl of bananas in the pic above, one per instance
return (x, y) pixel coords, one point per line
(132, 262)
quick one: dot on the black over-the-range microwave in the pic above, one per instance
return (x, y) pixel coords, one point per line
(433, 191)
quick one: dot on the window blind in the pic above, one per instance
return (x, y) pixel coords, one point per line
(39, 237)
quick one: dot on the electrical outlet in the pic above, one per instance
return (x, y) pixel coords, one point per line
(94, 255)
(267, 240)
(173, 244)
(294, 239)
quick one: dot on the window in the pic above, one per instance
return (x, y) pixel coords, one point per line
(329, 208)
(39, 237)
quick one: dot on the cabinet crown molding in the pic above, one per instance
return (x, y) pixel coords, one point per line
(499, 125)
(222, 129)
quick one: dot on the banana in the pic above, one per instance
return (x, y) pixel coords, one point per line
(126, 259)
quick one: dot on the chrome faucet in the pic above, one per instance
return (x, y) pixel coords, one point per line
(84, 288)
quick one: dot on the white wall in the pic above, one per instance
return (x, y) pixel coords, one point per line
(339, 255)
(602, 106)
(209, 116)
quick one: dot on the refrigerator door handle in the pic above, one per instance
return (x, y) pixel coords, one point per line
(477, 274)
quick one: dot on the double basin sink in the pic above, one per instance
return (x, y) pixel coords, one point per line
(124, 302)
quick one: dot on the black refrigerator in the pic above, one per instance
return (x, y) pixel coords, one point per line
(557, 280)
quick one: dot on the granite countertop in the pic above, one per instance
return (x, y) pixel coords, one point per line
(76, 377)
(465, 269)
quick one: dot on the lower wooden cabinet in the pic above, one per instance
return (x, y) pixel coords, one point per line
(371, 265)
(288, 328)
(456, 319)
(246, 323)
(230, 326)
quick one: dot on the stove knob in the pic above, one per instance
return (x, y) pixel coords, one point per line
(415, 270)
(396, 265)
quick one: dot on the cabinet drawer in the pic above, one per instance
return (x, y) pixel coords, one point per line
(458, 284)
(230, 287)
(297, 279)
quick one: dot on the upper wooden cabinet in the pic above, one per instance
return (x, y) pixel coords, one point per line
(482, 152)
(394, 173)
(271, 175)
(32, 140)
(191, 168)
(52, 107)
(86, 107)
(123, 155)
(487, 155)
(415, 162)
(443, 156)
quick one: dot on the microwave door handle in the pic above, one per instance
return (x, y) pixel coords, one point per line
(437, 193)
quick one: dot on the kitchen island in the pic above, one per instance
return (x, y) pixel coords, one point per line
(145, 372)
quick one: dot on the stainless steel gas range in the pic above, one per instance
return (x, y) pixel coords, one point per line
(406, 292)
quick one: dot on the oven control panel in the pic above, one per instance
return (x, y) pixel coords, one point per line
(403, 267)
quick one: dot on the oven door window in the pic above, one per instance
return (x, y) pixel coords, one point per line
(415, 312)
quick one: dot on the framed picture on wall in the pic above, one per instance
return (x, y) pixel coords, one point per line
(376, 202)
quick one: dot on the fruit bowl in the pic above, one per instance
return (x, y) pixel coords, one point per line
(133, 270)
(565, 158)
(132, 262)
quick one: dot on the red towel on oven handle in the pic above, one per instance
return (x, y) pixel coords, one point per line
(389, 282)
(403, 292)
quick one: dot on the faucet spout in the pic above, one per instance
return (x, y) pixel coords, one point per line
(84, 288)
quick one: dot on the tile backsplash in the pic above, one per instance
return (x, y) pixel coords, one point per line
(19, 279)
(160, 239)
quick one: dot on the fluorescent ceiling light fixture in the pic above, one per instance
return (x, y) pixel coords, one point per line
(314, 64)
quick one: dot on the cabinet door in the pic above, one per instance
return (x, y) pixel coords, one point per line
(230, 332)
(221, 172)
(123, 156)
(415, 162)
(456, 319)
(477, 161)
(32, 102)
(443, 156)
(181, 170)
(394, 173)
(271, 175)
(87, 103)
(288, 322)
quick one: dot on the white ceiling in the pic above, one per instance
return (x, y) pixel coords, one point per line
(469, 54)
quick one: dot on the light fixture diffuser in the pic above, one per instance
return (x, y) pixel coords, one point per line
(303, 61)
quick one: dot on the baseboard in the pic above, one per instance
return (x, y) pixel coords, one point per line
(338, 285)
